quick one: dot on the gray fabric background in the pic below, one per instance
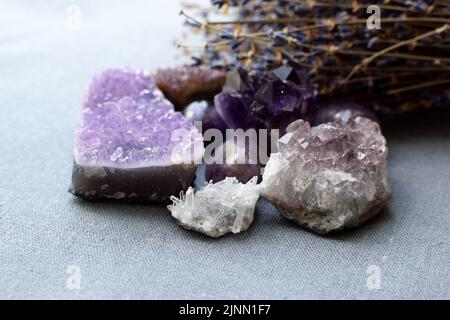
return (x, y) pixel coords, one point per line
(126, 251)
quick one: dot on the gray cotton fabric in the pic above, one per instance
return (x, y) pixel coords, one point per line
(53, 245)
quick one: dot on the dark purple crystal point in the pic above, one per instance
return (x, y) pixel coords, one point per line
(131, 145)
(264, 100)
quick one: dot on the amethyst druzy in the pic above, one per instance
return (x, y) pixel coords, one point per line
(126, 122)
(114, 84)
(130, 143)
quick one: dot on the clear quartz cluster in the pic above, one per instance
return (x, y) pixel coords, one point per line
(126, 122)
(329, 177)
(218, 208)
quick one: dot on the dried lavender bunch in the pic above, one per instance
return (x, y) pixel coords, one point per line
(399, 67)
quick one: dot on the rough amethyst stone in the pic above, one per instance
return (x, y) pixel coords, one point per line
(130, 144)
(329, 177)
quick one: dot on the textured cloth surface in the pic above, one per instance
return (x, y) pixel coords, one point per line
(125, 251)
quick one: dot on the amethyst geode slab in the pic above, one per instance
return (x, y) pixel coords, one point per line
(130, 144)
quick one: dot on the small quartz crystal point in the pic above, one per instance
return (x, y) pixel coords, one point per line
(186, 84)
(217, 209)
(329, 177)
(130, 144)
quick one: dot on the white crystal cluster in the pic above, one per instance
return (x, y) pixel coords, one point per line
(329, 177)
(218, 208)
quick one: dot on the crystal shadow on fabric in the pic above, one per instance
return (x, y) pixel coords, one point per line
(124, 144)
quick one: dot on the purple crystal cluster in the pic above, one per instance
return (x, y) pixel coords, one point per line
(256, 101)
(270, 101)
(126, 127)
(114, 84)
(126, 122)
(263, 100)
(329, 177)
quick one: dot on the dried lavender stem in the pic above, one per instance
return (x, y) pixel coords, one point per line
(371, 78)
(348, 22)
(329, 40)
(370, 59)
(419, 86)
(395, 55)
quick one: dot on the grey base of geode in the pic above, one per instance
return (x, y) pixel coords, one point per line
(147, 184)
(322, 223)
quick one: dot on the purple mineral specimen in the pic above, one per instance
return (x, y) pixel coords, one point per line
(263, 101)
(329, 177)
(131, 144)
